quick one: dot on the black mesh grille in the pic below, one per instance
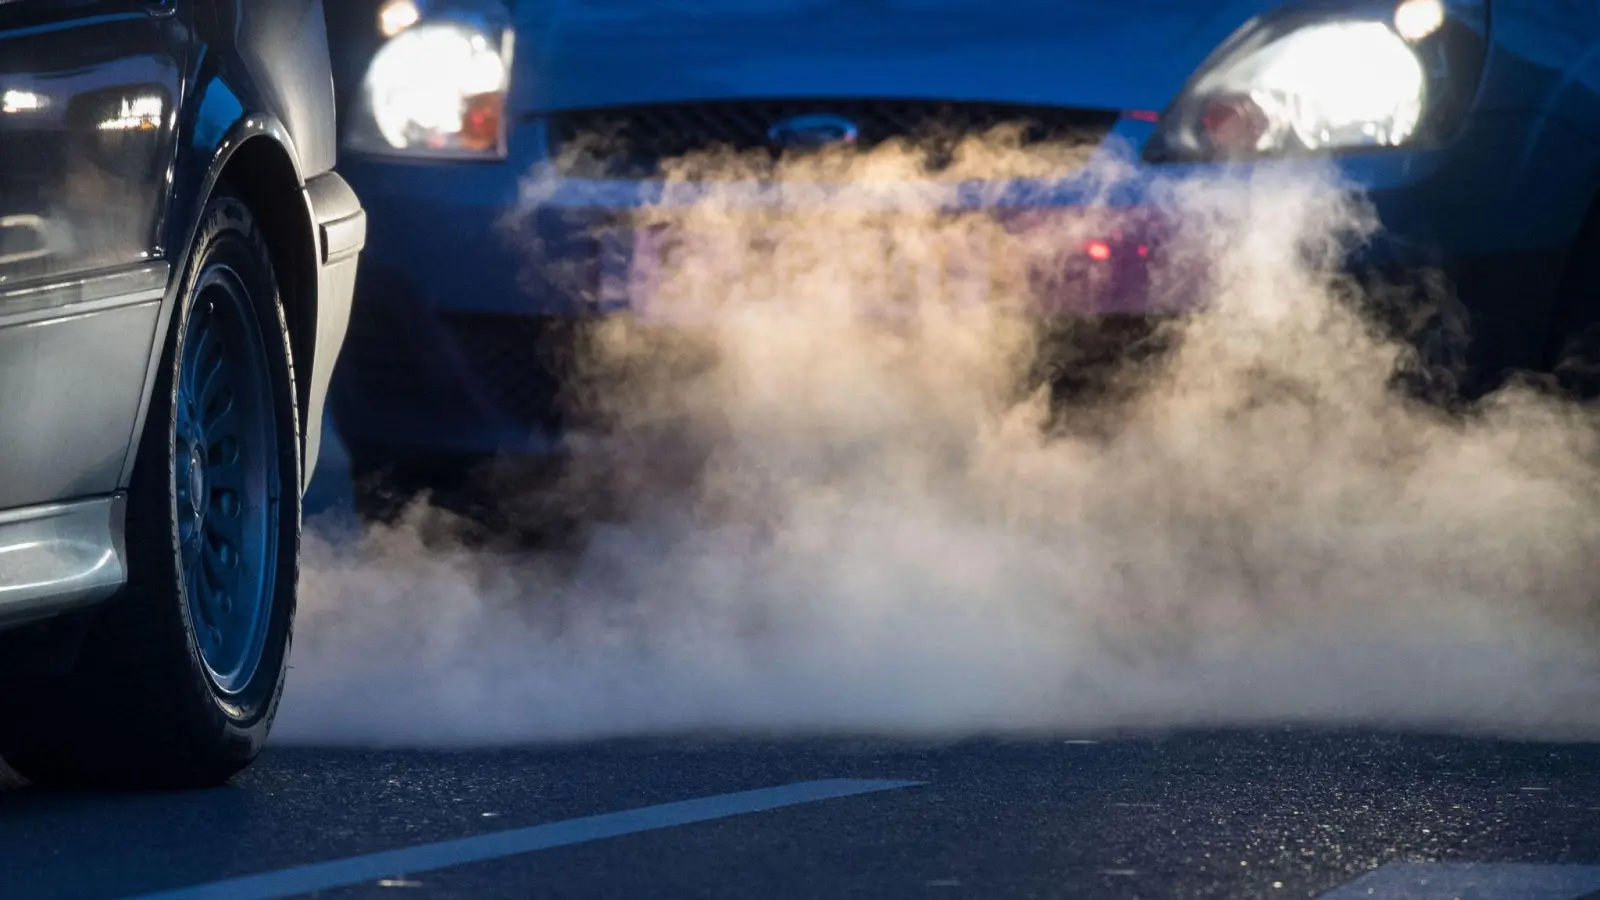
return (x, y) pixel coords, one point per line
(632, 142)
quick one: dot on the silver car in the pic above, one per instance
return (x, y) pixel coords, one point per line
(176, 264)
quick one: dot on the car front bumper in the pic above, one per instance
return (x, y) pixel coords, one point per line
(457, 343)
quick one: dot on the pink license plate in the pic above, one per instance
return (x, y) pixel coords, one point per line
(671, 275)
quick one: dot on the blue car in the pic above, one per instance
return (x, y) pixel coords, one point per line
(1472, 125)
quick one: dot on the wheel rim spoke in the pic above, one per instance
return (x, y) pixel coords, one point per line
(197, 349)
(225, 469)
(225, 530)
(208, 367)
(219, 567)
(219, 412)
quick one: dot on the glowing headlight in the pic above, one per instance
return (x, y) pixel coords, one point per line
(1338, 85)
(1383, 74)
(437, 89)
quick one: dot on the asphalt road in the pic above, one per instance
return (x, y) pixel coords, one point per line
(1280, 814)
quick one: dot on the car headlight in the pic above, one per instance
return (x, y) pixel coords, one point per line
(1329, 77)
(437, 89)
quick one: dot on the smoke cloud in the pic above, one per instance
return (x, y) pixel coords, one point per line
(825, 487)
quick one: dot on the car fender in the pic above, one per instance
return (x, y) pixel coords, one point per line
(329, 231)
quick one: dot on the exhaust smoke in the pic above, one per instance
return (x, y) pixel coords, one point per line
(833, 494)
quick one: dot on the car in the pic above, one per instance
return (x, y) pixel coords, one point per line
(177, 259)
(1476, 139)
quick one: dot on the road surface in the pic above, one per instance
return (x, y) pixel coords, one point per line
(1215, 815)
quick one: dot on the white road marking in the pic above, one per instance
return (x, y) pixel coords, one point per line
(445, 854)
(1470, 881)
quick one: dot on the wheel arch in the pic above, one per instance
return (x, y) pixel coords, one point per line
(263, 174)
(257, 161)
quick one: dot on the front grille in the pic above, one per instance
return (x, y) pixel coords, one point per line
(633, 142)
(522, 362)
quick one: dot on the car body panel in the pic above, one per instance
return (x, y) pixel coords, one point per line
(60, 557)
(1023, 51)
(66, 423)
(282, 51)
(341, 233)
(198, 91)
(1544, 60)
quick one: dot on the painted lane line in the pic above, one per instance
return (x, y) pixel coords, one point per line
(445, 854)
(1470, 881)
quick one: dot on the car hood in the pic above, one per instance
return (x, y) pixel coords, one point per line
(1108, 54)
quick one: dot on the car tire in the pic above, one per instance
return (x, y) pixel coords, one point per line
(177, 679)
